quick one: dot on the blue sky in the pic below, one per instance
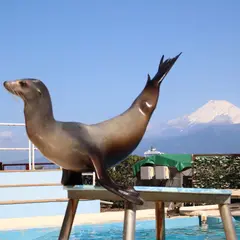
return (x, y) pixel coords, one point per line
(94, 56)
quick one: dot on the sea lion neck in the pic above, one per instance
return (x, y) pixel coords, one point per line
(39, 113)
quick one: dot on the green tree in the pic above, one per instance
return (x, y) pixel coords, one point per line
(216, 172)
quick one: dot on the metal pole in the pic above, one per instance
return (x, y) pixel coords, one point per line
(33, 156)
(29, 154)
(68, 219)
(94, 179)
(14, 149)
(160, 220)
(12, 124)
(129, 221)
(228, 225)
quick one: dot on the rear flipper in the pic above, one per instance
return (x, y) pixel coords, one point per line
(163, 69)
(129, 195)
(129, 189)
(71, 178)
(105, 181)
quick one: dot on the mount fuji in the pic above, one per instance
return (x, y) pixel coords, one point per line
(213, 128)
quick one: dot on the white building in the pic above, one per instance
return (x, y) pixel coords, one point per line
(151, 152)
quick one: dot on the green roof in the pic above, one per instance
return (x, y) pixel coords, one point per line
(179, 161)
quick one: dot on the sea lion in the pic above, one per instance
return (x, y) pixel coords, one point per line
(78, 147)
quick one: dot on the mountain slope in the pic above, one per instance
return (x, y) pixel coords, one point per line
(212, 139)
(214, 111)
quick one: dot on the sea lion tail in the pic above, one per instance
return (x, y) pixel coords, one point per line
(163, 69)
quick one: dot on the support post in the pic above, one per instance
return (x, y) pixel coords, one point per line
(160, 220)
(33, 156)
(129, 221)
(29, 155)
(68, 219)
(227, 221)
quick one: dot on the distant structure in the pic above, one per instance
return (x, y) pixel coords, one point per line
(151, 152)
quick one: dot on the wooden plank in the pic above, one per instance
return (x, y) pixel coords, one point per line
(106, 202)
(68, 219)
(33, 201)
(227, 221)
(165, 194)
(37, 170)
(11, 202)
(160, 220)
(30, 185)
(235, 193)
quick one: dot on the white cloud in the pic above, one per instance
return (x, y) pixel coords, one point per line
(6, 134)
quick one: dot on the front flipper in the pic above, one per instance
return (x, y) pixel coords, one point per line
(71, 178)
(105, 181)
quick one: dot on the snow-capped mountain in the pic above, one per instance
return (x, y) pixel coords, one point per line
(213, 112)
(212, 128)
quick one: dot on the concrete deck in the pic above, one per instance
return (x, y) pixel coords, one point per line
(56, 221)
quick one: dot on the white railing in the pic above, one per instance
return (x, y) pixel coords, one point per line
(31, 150)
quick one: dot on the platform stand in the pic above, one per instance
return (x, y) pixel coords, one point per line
(160, 220)
(68, 219)
(129, 221)
(227, 221)
(159, 195)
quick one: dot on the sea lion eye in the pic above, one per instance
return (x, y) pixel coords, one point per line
(23, 84)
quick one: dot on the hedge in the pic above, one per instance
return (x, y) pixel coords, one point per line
(216, 172)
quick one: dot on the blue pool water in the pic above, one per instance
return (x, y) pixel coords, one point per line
(145, 230)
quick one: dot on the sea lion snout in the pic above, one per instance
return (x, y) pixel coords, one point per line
(12, 86)
(8, 85)
(5, 84)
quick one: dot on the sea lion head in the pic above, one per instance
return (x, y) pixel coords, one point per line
(28, 89)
